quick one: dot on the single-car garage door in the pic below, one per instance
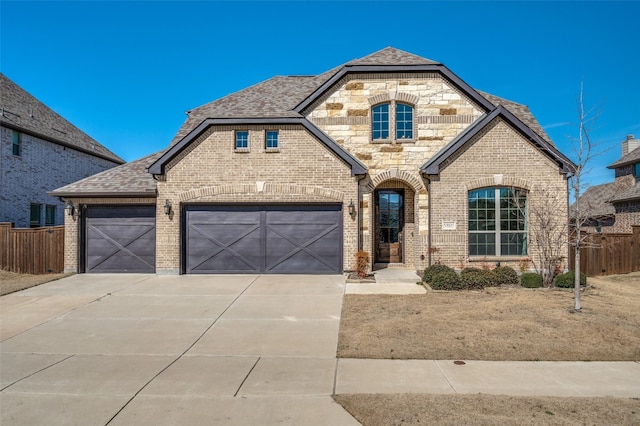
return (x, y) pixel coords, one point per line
(274, 239)
(120, 239)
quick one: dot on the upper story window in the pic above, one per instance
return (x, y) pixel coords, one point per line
(271, 140)
(242, 139)
(497, 222)
(17, 143)
(404, 121)
(636, 171)
(383, 127)
(380, 122)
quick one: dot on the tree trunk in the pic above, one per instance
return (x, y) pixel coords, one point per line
(576, 281)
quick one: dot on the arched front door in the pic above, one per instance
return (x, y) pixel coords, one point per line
(389, 225)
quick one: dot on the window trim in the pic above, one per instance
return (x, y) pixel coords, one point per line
(497, 231)
(388, 121)
(393, 122)
(268, 148)
(16, 144)
(241, 148)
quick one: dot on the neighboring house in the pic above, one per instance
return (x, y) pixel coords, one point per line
(392, 153)
(40, 151)
(613, 207)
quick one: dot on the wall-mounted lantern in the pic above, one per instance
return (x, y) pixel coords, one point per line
(70, 209)
(167, 207)
(352, 209)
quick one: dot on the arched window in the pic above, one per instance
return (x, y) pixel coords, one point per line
(498, 222)
(404, 121)
(380, 122)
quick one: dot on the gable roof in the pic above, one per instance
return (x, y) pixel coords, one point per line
(596, 201)
(20, 111)
(392, 56)
(432, 167)
(127, 180)
(631, 158)
(630, 194)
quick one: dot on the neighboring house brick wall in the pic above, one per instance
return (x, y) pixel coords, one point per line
(42, 167)
(499, 150)
(210, 171)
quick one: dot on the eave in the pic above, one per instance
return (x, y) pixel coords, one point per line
(158, 167)
(364, 69)
(432, 167)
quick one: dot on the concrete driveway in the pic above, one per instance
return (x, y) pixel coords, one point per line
(165, 350)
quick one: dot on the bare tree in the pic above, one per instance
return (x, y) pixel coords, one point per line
(548, 232)
(584, 151)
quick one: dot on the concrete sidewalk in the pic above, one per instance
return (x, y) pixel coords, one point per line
(225, 350)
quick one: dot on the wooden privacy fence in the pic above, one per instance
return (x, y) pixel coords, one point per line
(32, 250)
(609, 254)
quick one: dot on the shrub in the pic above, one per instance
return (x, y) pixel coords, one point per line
(433, 270)
(531, 280)
(446, 280)
(470, 270)
(506, 275)
(362, 263)
(566, 280)
(474, 280)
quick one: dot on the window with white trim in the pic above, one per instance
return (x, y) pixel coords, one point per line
(497, 222)
(242, 140)
(271, 140)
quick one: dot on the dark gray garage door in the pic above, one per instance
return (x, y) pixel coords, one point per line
(120, 239)
(263, 239)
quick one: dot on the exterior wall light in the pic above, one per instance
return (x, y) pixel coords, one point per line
(69, 208)
(352, 208)
(167, 207)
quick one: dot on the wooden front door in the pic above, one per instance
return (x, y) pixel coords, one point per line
(389, 225)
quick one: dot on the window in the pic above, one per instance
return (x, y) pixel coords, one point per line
(272, 139)
(636, 171)
(382, 128)
(497, 222)
(404, 121)
(49, 215)
(17, 143)
(380, 123)
(34, 218)
(242, 139)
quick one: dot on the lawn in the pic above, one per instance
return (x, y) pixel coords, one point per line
(497, 324)
(514, 324)
(11, 281)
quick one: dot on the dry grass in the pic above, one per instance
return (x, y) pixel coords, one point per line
(11, 281)
(414, 409)
(514, 324)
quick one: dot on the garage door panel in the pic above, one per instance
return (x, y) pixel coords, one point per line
(120, 239)
(265, 239)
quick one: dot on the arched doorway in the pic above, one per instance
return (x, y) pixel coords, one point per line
(389, 222)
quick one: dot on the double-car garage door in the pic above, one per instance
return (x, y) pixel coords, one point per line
(275, 239)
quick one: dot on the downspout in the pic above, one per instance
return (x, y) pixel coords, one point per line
(426, 177)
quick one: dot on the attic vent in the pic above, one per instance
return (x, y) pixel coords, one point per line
(59, 131)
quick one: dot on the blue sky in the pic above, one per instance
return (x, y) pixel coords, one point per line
(125, 72)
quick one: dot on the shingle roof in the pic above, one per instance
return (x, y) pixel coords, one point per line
(630, 194)
(21, 111)
(631, 158)
(596, 201)
(392, 56)
(130, 179)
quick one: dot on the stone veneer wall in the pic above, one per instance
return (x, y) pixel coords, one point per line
(210, 170)
(72, 225)
(498, 156)
(441, 112)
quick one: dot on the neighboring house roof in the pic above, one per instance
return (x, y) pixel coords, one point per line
(21, 111)
(432, 167)
(128, 180)
(596, 201)
(630, 194)
(631, 158)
